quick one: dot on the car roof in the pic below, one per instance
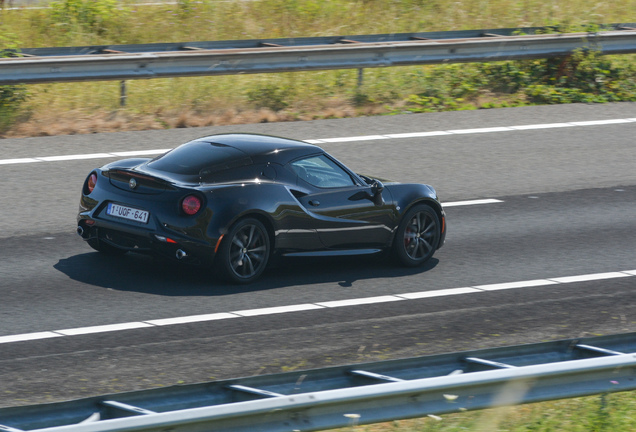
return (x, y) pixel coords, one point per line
(264, 148)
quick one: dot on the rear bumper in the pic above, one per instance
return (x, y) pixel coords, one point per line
(135, 239)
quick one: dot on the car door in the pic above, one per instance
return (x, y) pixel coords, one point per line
(346, 213)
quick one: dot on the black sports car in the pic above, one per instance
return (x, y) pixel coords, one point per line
(234, 200)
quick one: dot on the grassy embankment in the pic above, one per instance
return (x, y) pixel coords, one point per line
(64, 108)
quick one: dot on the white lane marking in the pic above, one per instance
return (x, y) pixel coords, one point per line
(359, 301)
(18, 161)
(438, 293)
(73, 157)
(103, 328)
(602, 122)
(480, 130)
(355, 138)
(277, 310)
(591, 277)
(63, 158)
(513, 285)
(475, 130)
(341, 139)
(192, 319)
(471, 202)
(418, 134)
(28, 337)
(139, 153)
(314, 306)
(542, 126)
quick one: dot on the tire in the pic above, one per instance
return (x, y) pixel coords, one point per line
(417, 236)
(105, 248)
(244, 252)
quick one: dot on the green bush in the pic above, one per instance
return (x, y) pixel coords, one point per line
(11, 96)
(269, 96)
(584, 76)
(94, 16)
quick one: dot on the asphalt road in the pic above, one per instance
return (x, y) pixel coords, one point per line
(567, 209)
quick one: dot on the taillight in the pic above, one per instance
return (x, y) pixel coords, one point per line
(191, 204)
(91, 182)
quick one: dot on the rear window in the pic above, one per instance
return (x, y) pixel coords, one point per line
(199, 158)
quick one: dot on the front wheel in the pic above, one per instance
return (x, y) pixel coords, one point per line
(244, 252)
(417, 236)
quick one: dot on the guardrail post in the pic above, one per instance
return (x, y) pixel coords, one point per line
(360, 77)
(122, 93)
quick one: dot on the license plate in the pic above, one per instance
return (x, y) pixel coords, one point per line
(129, 213)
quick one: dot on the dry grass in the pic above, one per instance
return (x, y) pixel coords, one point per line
(78, 121)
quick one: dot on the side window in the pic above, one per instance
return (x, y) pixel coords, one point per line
(322, 172)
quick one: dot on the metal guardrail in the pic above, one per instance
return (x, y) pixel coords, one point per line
(124, 62)
(364, 393)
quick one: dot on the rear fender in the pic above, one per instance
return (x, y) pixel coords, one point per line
(272, 203)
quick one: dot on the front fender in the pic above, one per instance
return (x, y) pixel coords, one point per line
(406, 195)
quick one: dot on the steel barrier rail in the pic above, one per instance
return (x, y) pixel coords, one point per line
(124, 66)
(384, 402)
(364, 393)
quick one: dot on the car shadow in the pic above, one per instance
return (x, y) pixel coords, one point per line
(146, 274)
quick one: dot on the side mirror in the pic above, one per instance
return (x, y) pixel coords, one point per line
(376, 188)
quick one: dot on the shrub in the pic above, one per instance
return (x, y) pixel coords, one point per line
(11, 96)
(94, 16)
(269, 96)
(584, 76)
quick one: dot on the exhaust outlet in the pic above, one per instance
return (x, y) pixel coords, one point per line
(181, 254)
(80, 231)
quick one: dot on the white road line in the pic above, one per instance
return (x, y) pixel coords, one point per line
(18, 161)
(277, 310)
(542, 126)
(139, 153)
(192, 319)
(471, 202)
(339, 140)
(438, 293)
(103, 328)
(28, 337)
(474, 130)
(315, 306)
(480, 130)
(360, 301)
(74, 157)
(513, 285)
(591, 277)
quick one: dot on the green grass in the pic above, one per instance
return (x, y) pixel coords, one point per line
(184, 102)
(81, 22)
(600, 413)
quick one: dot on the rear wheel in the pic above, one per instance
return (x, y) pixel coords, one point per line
(105, 248)
(244, 252)
(417, 236)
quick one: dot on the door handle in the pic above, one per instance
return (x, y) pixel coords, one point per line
(314, 203)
